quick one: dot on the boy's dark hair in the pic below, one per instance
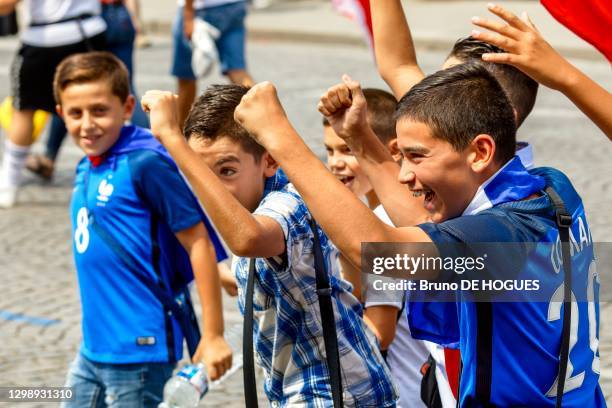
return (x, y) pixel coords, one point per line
(521, 89)
(90, 67)
(381, 108)
(460, 103)
(212, 117)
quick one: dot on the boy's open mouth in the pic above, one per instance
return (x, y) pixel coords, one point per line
(346, 180)
(429, 196)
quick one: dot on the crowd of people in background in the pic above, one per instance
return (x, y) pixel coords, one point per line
(172, 185)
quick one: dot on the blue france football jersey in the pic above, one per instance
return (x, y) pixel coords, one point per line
(138, 197)
(510, 350)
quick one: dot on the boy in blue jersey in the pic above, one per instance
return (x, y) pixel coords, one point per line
(396, 60)
(130, 238)
(260, 215)
(456, 132)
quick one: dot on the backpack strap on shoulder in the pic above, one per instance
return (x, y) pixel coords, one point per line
(248, 368)
(330, 337)
(564, 222)
(324, 292)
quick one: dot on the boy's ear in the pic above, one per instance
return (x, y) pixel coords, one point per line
(270, 165)
(59, 110)
(482, 152)
(394, 149)
(128, 107)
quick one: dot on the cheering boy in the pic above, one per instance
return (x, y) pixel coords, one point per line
(456, 132)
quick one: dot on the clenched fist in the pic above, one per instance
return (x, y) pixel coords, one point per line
(261, 113)
(345, 108)
(163, 110)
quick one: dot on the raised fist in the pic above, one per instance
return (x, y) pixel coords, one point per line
(345, 108)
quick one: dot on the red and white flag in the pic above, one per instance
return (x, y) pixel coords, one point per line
(591, 20)
(358, 11)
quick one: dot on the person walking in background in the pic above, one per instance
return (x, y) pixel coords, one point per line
(121, 20)
(54, 30)
(227, 16)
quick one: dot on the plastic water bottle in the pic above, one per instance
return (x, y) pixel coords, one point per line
(186, 388)
(190, 384)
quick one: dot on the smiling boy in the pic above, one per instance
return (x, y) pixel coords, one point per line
(342, 162)
(384, 314)
(128, 240)
(260, 215)
(456, 132)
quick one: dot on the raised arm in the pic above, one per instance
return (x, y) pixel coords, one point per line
(245, 234)
(528, 51)
(344, 106)
(345, 219)
(395, 55)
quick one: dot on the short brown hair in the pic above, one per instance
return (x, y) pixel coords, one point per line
(90, 67)
(381, 108)
(212, 117)
(520, 88)
(458, 104)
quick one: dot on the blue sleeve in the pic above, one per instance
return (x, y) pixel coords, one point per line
(470, 228)
(161, 185)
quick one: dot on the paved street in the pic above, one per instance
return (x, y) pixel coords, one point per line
(39, 305)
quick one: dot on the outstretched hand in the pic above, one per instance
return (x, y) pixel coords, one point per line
(345, 107)
(525, 47)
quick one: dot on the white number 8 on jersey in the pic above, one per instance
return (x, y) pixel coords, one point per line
(81, 234)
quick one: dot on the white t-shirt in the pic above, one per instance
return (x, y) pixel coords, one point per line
(200, 4)
(55, 35)
(406, 356)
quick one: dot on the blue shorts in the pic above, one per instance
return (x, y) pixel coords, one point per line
(98, 385)
(229, 20)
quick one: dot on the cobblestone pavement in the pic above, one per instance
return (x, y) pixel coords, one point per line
(38, 278)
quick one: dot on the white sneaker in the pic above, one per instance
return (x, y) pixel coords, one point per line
(8, 197)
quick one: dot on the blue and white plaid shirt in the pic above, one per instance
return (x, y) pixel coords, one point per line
(288, 332)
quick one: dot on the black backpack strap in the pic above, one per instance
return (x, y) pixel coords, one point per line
(484, 355)
(329, 329)
(248, 368)
(459, 381)
(564, 222)
(324, 293)
(430, 393)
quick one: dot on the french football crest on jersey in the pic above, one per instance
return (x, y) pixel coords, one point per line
(105, 190)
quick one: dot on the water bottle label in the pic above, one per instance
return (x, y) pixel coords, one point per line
(196, 376)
